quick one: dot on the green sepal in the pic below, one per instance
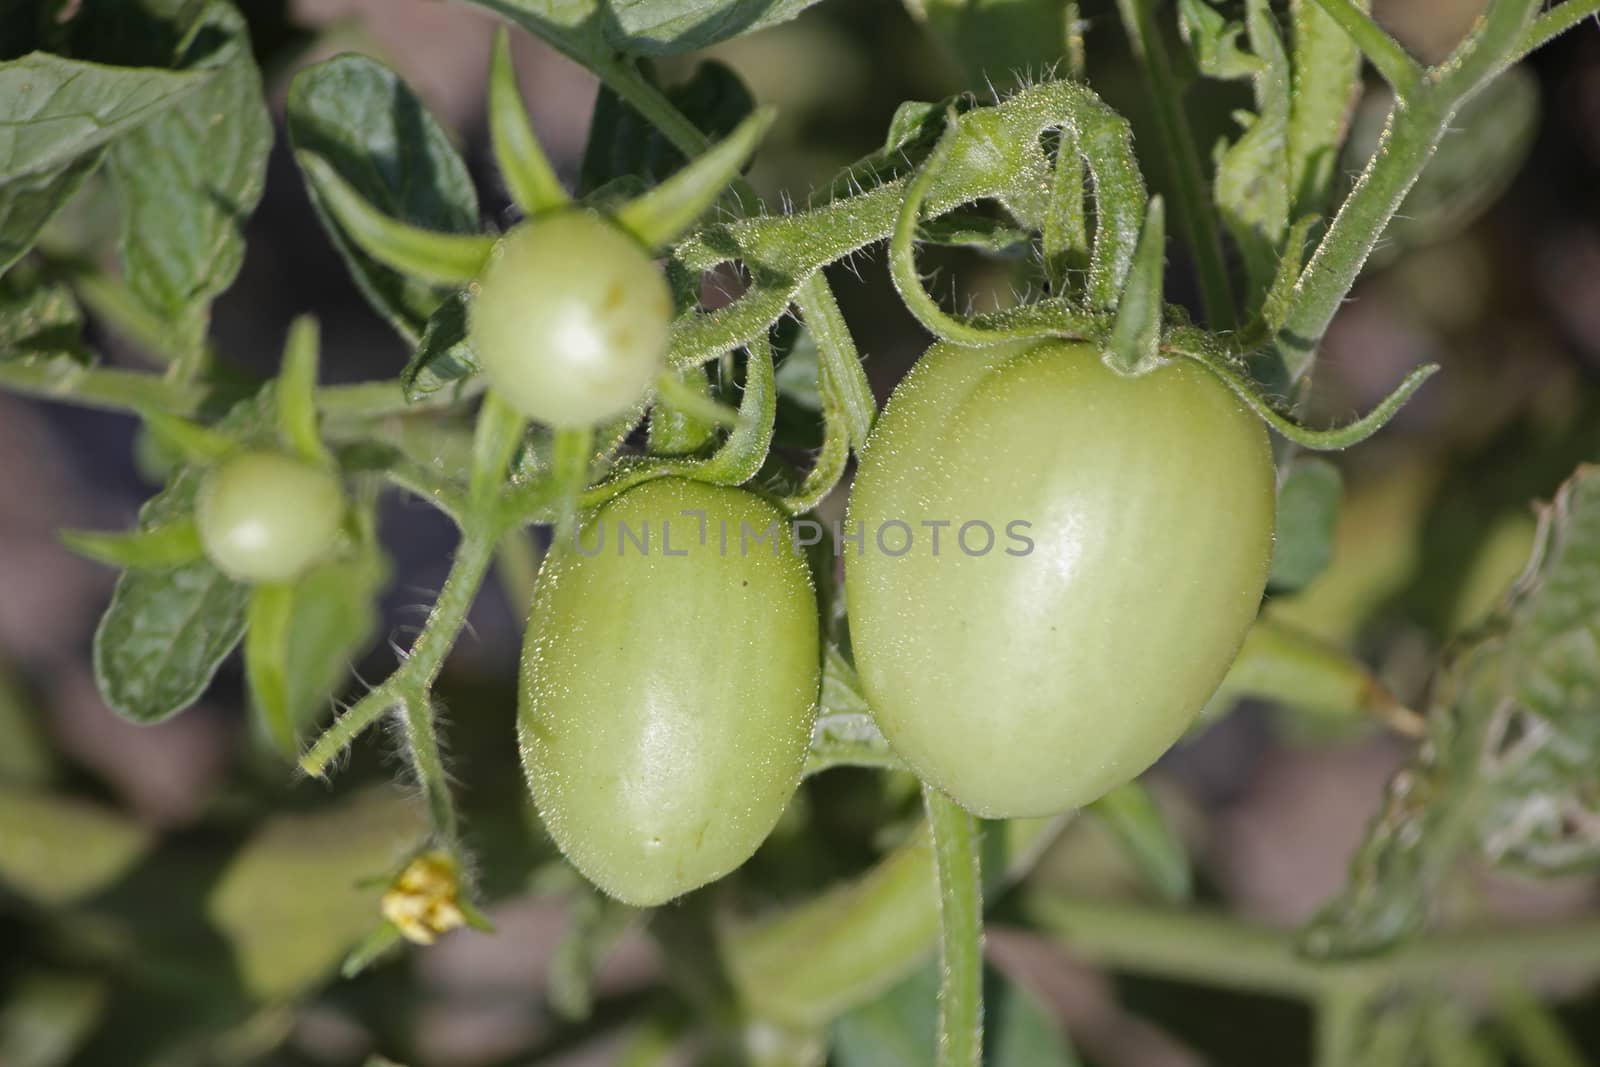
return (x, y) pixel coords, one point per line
(663, 214)
(297, 393)
(427, 255)
(529, 177)
(1135, 343)
(170, 545)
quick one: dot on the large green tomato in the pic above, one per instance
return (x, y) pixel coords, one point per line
(569, 319)
(1106, 547)
(267, 517)
(668, 692)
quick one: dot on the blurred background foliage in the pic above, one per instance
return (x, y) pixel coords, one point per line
(169, 896)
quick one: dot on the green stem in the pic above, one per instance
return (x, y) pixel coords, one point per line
(114, 389)
(1493, 40)
(105, 388)
(1193, 195)
(1407, 144)
(112, 301)
(422, 742)
(1216, 950)
(1339, 1015)
(624, 79)
(839, 365)
(1552, 24)
(955, 862)
(426, 656)
(1397, 66)
(1421, 114)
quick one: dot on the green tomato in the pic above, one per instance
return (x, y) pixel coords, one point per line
(265, 517)
(668, 693)
(1131, 518)
(569, 320)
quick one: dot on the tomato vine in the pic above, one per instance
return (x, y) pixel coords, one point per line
(541, 352)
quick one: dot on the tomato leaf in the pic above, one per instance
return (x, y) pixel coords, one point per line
(592, 32)
(56, 111)
(334, 620)
(49, 1014)
(1308, 510)
(39, 322)
(623, 144)
(164, 634)
(443, 356)
(59, 115)
(1131, 814)
(166, 630)
(1509, 768)
(1253, 182)
(55, 850)
(29, 203)
(596, 923)
(897, 1029)
(187, 181)
(285, 937)
(999, 39)
(1327, 84)
(357, 115)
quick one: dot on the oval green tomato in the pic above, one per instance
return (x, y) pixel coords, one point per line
(569, 319)
(1107, 545)
(668, 691)
(266, 517)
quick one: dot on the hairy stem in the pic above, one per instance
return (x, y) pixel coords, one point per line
(1396, 65)
(1553, 23)
(427, 654)
(955, 862)
(422, 742)
(1421, 114)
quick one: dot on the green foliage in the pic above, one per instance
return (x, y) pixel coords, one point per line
(624, 144)
(39, 323)
(60, 115)
(167, 630)
(160, 102)
(592, 31)
(372, 131)
(1508, 767)
(1308, 508)
(186, 183)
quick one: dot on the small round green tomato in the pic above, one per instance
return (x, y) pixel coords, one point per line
(569, 319)
(265, 517)
(1106, 547)
(668, 694)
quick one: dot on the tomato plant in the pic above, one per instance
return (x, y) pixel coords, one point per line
(1004, 664)
(660, 754)
(805, 687)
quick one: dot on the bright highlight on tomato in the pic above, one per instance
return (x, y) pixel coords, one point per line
(569, 319)
(668, 688)
(1029, 682)
(266, 517)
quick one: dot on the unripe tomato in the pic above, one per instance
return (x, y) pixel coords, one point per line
(1028, 680)
(667, 694)
(569, 319)
(266, 517)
